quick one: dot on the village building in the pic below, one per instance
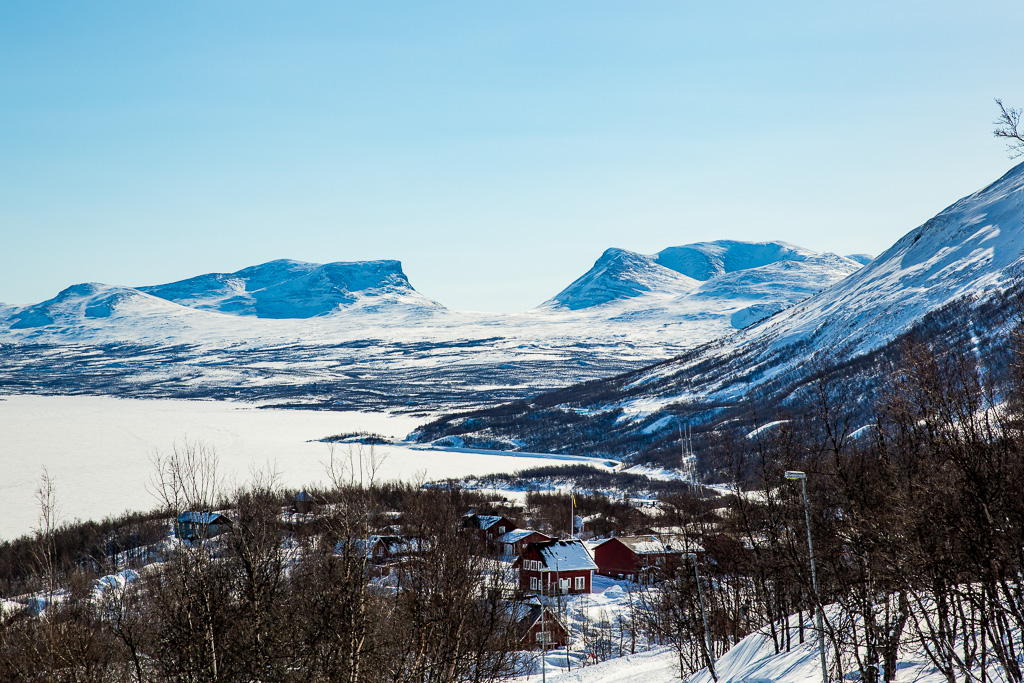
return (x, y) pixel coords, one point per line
(303, 502)
(193, 525)
(531, 626)
(636, 557)
(379, 549)
(552, 567)
(514, 542)
(488, 527)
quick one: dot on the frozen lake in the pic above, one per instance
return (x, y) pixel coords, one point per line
(98, 449)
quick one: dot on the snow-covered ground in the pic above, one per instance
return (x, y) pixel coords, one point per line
(98, 449)
(653, 666)
(752, 660)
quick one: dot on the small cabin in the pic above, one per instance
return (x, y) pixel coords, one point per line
(303, 502)
(532, 627)
(193, 525)
(380, 549)
(488, 527)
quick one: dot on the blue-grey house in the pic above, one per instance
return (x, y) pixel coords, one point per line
(191, 525)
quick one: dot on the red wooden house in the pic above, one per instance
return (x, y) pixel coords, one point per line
(488, 527)
(634, 556)
(556, 567)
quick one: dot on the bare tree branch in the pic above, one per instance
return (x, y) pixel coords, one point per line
(1007, 126)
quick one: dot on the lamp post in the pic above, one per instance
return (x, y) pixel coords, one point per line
(795, 475)
(704, 617)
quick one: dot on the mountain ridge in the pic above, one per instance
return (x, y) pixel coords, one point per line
(948, 278)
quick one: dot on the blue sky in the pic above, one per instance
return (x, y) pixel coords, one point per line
(496, 149)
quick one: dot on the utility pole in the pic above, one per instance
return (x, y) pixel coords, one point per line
(795, 475)
(543, 636)
(686, 464)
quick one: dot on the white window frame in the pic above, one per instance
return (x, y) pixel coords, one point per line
(533, 583)
(581, 583)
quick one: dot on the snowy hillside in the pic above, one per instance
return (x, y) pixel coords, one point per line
(968, 253)
(971, 249)
(361, 334)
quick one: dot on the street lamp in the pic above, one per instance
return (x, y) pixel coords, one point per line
(704, 617)
(794, 475)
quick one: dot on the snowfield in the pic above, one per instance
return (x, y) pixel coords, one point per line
(98, 449)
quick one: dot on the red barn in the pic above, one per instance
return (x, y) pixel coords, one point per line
(633, 556)
(556, 567)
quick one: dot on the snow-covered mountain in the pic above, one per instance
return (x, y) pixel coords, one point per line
(347, 333)
(294, 289)
(733, 284)
(620, 274)
(80, 303)
(961, 261)
(705, 260)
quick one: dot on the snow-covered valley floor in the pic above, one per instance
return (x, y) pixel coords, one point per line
(98, 449)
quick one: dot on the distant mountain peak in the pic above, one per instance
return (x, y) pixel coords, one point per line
(705, 260)
(619, 274)
(862, 259)
(292, 289)
(747, 280)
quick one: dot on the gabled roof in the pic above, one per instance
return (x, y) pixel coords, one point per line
(484, 522)
(569, 555)
(487, 521)
(680, 543)
(203, 517)
(395, 545)
(517, 535)
(527, 614)
(645, 545)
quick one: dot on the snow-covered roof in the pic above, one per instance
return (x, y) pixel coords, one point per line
(487, 521)
(644, 545)
(517, 535)
(570, 555)
(202, 517)
(395, 545)
(526, 614)
(680, 543)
